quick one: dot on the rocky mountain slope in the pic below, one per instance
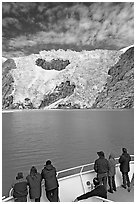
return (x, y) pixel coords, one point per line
(67, 79)
(119, 89)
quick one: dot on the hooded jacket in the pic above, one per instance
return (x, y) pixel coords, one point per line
(124, 162)
(49, 176)
(112, 163)
(34, 183)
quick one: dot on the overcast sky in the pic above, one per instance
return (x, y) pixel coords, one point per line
(102, 24)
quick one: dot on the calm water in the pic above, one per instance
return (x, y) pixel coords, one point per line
(69, 138)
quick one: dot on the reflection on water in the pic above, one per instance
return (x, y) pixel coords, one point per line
(69, 138)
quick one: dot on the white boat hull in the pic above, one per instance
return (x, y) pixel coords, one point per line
(75, 183)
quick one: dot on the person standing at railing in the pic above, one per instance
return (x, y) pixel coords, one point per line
(111, 173)
(34, 182)
(101, 167)
(20, 188)
(125, 168)
(51, 183)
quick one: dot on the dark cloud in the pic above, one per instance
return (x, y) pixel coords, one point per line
(31, 23)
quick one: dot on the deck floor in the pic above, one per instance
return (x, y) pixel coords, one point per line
(122, 195)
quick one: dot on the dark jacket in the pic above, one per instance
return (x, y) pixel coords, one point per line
(124, 162)
(112, 165)
(20, 188)
(34, 183)
(101, 165)
(49, 175)
(98, 191)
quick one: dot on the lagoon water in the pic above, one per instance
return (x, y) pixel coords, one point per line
(67, 137)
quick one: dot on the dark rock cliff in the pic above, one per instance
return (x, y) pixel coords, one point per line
(119, 89)
(54, 64)
(61, 91)
(7, 83)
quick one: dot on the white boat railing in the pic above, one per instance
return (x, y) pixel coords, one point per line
(69, 173)
(83, 169)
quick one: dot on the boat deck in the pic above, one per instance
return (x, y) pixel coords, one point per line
(122, 195)
(74, 183)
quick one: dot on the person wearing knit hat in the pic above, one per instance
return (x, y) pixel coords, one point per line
(20, 188)
(125, 168)
(19, 175)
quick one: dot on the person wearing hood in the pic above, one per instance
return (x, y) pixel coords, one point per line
(20, 188)
(101, 167)
(111, 174)
(125, 167)
(51, 183)
(34, 182)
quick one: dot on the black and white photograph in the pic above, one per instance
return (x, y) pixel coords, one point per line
(67, 101)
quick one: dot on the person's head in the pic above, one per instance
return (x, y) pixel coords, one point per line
(96, 182)
(48, 162)
(33, 171)
(19, 175)
(100, 154)
(124, 150)
(111, 156)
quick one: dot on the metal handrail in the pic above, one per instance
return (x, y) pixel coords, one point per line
(66, 170)
(76, 167)
(81, 166)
